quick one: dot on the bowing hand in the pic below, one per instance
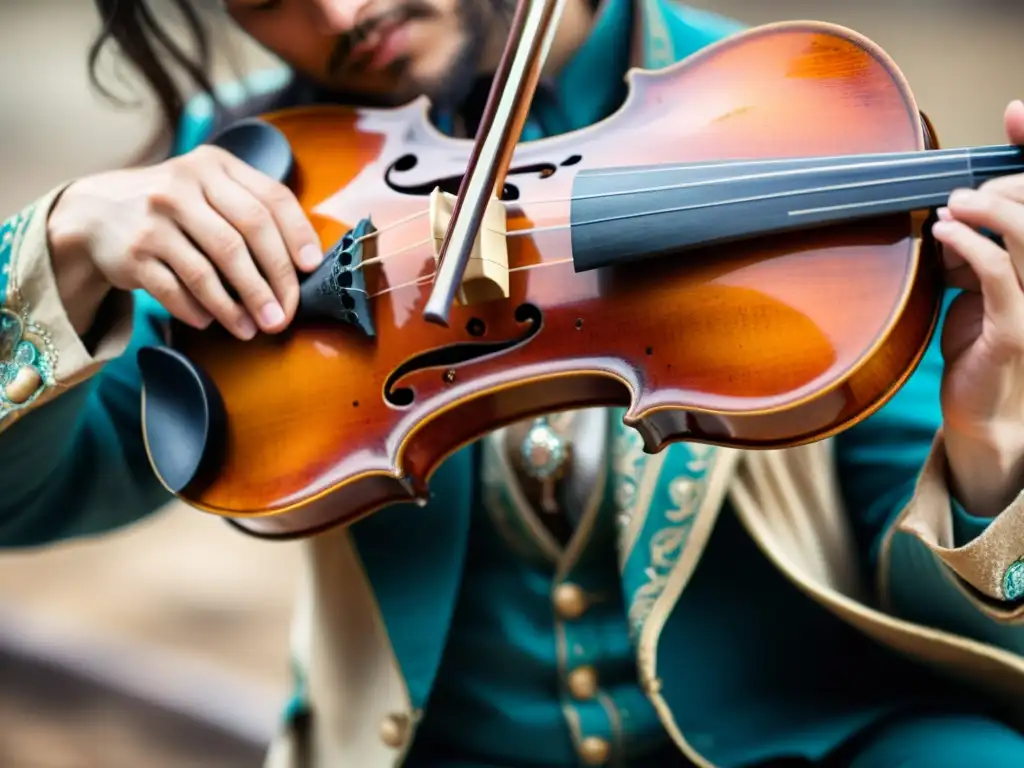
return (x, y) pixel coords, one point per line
(983, 337)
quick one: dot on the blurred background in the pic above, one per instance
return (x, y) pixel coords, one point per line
(166, 644)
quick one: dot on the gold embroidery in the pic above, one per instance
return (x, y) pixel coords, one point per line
(634, 480)
(700, 457)
(28, 356)
(720, 465)
(668, 543)
(685, 494)
(628, 459)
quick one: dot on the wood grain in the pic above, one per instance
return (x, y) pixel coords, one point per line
(763, 344)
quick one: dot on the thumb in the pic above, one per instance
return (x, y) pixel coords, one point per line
(1013, 119)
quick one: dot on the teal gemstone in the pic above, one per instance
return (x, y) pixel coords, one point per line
(11, 330)
(1013, 581)
(25, 354)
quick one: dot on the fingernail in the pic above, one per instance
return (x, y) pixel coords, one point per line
(310, 257)
(247, 328)
(941, 228)
(271, 314)
(944, 214)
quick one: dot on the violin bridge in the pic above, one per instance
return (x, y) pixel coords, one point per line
(486, 276)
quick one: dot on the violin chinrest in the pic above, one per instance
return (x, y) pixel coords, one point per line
(184, 419)
(259, 144)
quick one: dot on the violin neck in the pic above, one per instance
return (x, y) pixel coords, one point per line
(620, 215)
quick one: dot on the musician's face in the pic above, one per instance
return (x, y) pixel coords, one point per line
(388, 51)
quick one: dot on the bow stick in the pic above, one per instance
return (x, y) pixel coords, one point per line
(508, 104)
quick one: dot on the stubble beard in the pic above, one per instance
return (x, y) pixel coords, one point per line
(450, 91)
(482, 21)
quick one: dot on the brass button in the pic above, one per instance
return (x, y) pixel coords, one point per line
(570, 601)
(583, 683)
(394, 730)
(594, 751)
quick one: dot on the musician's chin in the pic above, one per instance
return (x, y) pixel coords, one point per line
(445, 75)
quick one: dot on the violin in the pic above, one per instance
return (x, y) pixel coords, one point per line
(738, 256)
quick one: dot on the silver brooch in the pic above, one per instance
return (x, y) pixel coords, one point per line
(544, 455)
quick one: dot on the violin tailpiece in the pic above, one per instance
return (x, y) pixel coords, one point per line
(337, 289)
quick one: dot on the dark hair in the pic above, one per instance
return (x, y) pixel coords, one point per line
(133, 27)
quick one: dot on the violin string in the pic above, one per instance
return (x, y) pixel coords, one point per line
(556, 227)
(749, 199)
(679, 209)
(930, 157)
(392, 254)
(428, 278)
(769, 175)
(392, 225)
(538, 265)
(842, 162)
(408, 284)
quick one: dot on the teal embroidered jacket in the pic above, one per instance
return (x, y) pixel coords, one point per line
(749, 666)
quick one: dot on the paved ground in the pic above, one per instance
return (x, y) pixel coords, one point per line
(181, 583)
(53, 721)
(179, 605)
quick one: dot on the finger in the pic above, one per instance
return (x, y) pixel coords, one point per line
(198, 274)
(299, 235)
(1010, 186)
(1013, 120)
(1000, 287)
(964, 324)
(988, 209)
(958, 272)
(995, 212)
(225, 247)
(162, 284)
(256, 224)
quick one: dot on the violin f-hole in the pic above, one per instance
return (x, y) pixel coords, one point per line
(452, 356)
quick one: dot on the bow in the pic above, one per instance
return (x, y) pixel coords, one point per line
(508, 104)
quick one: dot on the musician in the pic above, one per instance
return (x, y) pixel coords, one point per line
(856, 602)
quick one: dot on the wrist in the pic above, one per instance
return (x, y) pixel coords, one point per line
(80, 283)
(986, 471)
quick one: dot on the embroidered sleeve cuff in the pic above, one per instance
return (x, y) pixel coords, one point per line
(40, 351)
(986, 554)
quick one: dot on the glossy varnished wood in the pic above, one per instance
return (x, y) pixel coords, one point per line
(764, 344)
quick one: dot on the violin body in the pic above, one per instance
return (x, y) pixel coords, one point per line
(761, 343)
